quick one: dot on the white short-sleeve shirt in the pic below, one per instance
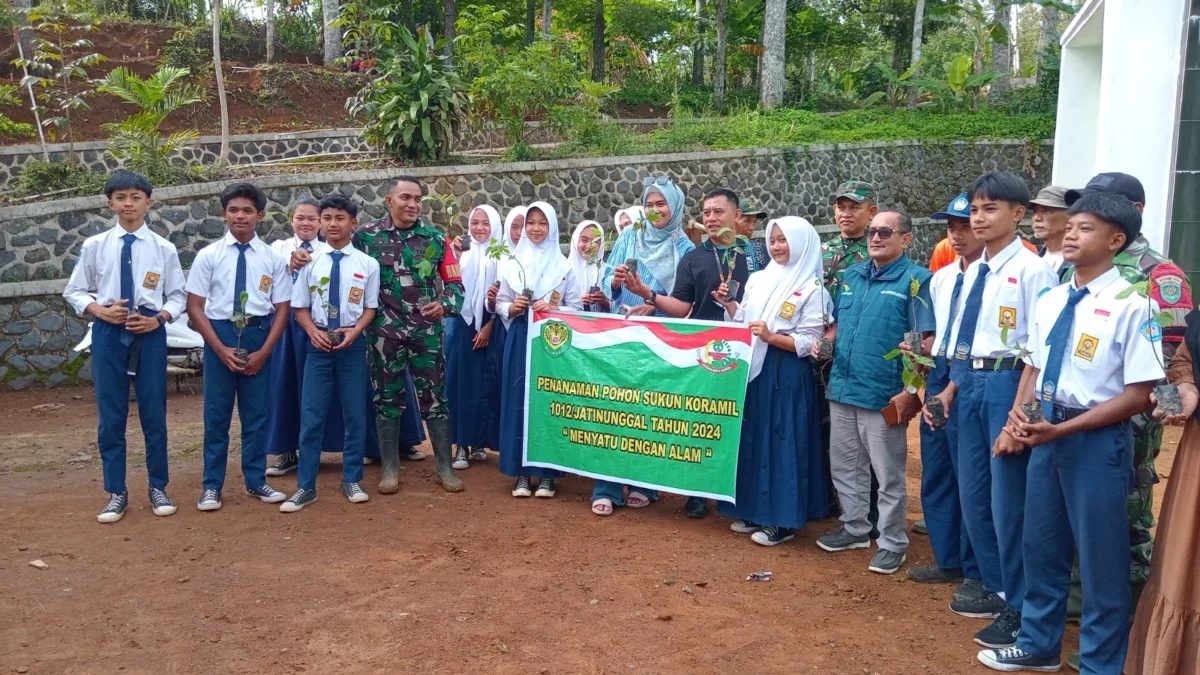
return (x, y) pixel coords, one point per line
(1016, 278)
(566, 296)
(1114, 342)
(158, 282)
(285, 247)
(214, 273)
(941, 291)
(358, 275)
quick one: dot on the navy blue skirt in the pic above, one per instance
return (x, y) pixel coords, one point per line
(512, 406)
(466, 368)
(781, 465)
(493, 384)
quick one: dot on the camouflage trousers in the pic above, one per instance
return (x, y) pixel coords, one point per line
(392, 349)
(1147, 442)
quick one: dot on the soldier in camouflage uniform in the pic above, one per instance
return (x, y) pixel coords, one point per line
(1136, 264)
(419, 285)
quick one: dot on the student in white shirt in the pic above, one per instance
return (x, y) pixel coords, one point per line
(991, 326)
(1095, 354)
(130, 280)
(238, 296)
(334, 300)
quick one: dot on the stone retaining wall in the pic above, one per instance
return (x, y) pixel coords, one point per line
(40, 241)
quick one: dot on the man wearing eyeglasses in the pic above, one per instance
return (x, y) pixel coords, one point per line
(870, 404)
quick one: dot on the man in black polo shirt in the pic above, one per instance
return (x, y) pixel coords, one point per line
(701, 271)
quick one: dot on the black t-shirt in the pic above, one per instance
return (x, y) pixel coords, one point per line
(698, 276)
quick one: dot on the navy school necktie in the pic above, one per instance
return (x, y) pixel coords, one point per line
(239, 279)
(127, 281)
(335, 290)
(970, 316)
(958, 284)
(1057, 342)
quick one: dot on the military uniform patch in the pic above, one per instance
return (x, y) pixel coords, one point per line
(1086, 349)
(787, 311)
(151, 280)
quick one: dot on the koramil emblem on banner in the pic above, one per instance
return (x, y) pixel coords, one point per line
(556, 337)
(716, 357)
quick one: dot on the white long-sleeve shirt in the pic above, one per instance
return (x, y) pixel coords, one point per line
(158, 282)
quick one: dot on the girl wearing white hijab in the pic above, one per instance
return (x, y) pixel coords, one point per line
(780, 474)
(468, 337)
(539, 278)
(587, 261)
(626, 217)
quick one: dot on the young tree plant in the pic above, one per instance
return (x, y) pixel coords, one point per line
(138, 139)
(914, 363)
(321, 288)
(498, 250)
(1166, 393)
(239, 324)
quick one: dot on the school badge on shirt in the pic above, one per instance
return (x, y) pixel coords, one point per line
(356, 294)
(1008, 317)
(264, 284)
(151, 280)
(1086, 349)
(555, 298)
(787, 311)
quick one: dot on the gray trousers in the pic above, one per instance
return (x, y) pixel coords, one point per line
(859, 440)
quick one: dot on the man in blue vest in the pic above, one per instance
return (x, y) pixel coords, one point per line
(870, 403)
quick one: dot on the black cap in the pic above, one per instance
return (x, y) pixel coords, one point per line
(1118, 183)
(1113, 208)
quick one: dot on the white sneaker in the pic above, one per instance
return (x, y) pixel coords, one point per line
(210, 500)
(354, 493)
(266, 494)
(460, 459)
(161, 504)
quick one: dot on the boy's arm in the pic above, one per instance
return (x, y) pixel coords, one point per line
(174, 289)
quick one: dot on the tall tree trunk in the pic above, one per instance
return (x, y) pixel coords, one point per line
(719, 58)
(407, 18)
(223, 155)
(774, 34)
(598, 43)
(1048, 38)
(547, 14)
(530, 20)
(1014, 44)
(918, 31)
(333, 34)
(902, 29)
(270, 30)
(698, 51)
(449, 18)
(1001, 54)
(26, 33)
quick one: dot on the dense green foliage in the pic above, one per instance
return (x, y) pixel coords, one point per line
(137, 139)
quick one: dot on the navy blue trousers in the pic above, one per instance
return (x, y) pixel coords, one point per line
(110, 374)
(1075, 499)
(222, 387)
(991, 489)
(344, 373)
(939, 488)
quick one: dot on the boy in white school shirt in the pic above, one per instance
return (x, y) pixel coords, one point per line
(1095, 355)
(138, 287)
(335, 297)
(238, 276)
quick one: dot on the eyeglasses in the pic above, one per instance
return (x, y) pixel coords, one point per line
(649, 181)
(884, 233)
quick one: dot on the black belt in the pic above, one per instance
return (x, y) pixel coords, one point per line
(1006, 363)
(135, 349)
(1063, 413)
(252, 320)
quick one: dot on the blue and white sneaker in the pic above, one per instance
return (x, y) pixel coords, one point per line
(267, 494)
(301, 499)
(210, 500)
(287, 463)
(160, 503)
(115, 510)
(354, 492)
(1012, 659)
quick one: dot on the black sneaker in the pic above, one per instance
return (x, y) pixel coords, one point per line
(1011, 660)
(354, 492)
(267, 494)
(696, 507)
(115, 510)
(478, 455)
(460, 459)
(285, 464)
(210, 500)
(301, 499)
(986, 606)
(932, 574)
(773, 536)
(841, 540)
(545, 488)
(411, 454)
(160, 503)
(745, 526)
(521, 487)
(970, 589)
(1002, 632)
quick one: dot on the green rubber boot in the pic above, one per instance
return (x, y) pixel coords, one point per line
(389, 455)
(439, 438)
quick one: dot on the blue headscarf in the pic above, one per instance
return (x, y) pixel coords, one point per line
(652, 246)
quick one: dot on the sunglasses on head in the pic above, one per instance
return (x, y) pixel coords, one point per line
(656, 180)
(884, 233)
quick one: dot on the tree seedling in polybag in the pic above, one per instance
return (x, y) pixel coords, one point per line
(498, 250)
(335, 338)
(1166, 393)
(913, 362)
(239, 324)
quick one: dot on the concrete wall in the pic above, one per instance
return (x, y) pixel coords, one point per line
(43, 240)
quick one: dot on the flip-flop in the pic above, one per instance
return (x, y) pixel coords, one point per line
(637, 500)
(600, 504)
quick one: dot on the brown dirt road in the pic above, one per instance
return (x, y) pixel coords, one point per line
(423, 581)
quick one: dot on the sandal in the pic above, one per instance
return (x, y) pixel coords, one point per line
(602, 507)
(637, 500)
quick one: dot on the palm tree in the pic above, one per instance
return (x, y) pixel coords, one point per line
(223, 155)
(774, 34)
(138, 139)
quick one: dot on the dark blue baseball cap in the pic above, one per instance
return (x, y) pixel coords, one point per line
(960, 207)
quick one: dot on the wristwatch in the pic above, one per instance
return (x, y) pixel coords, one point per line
(653, 297)
(162, 320)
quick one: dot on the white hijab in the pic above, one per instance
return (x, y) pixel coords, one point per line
(767, 290)
(544, 265)
(635, 214)
(508, 221)
(588, 275)
(478, 271)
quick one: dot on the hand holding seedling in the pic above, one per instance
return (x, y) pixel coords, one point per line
(1189, 395)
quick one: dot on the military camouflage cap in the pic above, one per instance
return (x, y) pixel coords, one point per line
(750, 207)
(857, 190)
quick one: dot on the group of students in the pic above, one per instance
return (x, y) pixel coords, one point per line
(1007, 497)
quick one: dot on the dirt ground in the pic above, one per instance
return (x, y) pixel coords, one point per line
(424, 581)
